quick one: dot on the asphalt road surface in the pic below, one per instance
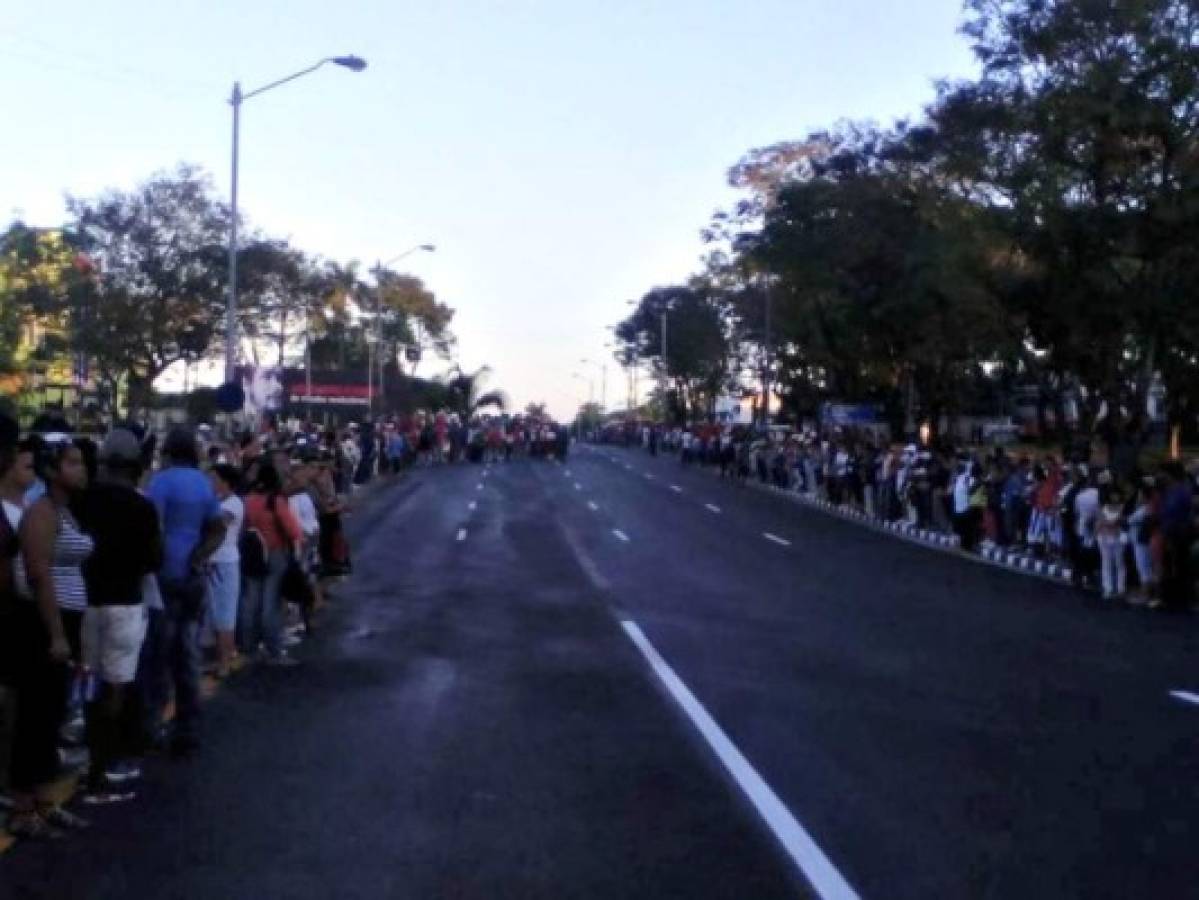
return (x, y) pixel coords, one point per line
(619, 678)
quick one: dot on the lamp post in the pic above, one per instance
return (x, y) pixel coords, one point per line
(590, 399)
(378, 272)
(354, 64)
(603, 380)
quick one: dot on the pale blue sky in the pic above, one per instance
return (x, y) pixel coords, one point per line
(562, 155)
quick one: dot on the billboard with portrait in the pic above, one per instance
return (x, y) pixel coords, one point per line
(264, 389)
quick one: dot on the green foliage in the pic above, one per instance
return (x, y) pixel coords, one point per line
(156, 296)
(695, 358)
(1040, 227)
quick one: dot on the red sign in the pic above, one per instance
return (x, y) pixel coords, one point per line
(301, 390)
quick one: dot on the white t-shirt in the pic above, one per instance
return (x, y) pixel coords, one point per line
(961, 493)
(13, 513)
(305, 511)
(231, 506)
(1086, 508)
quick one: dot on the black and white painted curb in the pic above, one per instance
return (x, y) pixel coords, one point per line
(998, 556)
(1017, 562)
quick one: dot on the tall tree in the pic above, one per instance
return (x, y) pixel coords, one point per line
(694, 358)
(1083, 133)
(158, 295)
(412, 317)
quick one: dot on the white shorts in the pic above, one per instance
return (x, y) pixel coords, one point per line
(112, 641)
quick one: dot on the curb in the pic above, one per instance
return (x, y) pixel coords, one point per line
(1020, 563)
(1015, 562)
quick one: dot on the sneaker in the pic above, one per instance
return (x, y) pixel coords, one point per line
(72, 760)
(33, 827)
(106, 795)
(283, 660)
(58, 817)
(123, 771)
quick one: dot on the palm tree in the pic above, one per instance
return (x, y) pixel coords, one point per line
(466, 395)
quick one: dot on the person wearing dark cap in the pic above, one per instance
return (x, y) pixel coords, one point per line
(193, 529)
(128, 546)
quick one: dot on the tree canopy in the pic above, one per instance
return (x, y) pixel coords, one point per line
(1036, 228)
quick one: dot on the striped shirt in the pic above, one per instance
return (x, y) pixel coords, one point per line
(71, 548)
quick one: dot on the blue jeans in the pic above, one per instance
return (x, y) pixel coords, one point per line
(170, 657)
(260, 615)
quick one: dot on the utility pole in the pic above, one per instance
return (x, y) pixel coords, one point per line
(766, 359)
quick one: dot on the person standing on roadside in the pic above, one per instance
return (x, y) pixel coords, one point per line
(193, 528)
(1177, 527)
(16, 477)
(48, 577)
(128, 546)
(224, 572)
(270, 517)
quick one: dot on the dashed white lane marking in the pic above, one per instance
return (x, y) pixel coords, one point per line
(1185, 697)
(620, 534)
(782, 542)
(592, 505)
(649, 476)
(676, 489)
(479, 486)
(472, 506)
(628, 467)
(462, 534)
(578, 487)
(712, 507)
(821, 874)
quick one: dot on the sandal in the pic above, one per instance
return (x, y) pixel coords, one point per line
(60, 818)
(30, 826)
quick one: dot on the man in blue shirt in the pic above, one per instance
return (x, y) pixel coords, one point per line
(193, 528)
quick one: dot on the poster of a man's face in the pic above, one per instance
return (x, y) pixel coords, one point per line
(264, 389)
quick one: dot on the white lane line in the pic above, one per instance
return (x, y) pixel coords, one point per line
(821, 874)
(713, 507)
(578, 487)
(782, 542)
(567, 473)
(462, 534)
(649, 476)
(592, 505)
(628, 467)
(1185, 696)
(620, 534)
(473, 505)
(676, 489)
(479, 486)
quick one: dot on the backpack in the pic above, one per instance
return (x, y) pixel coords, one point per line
(251, 546)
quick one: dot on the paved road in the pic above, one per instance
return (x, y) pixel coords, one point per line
(618, 678)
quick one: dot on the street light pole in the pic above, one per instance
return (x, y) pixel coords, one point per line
(603, 367)
(231, 306)
(766, 360)
(379, 269)
(354, 64)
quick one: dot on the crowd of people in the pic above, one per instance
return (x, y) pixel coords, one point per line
(1129, 532)
(426, 438)
(129, 566)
